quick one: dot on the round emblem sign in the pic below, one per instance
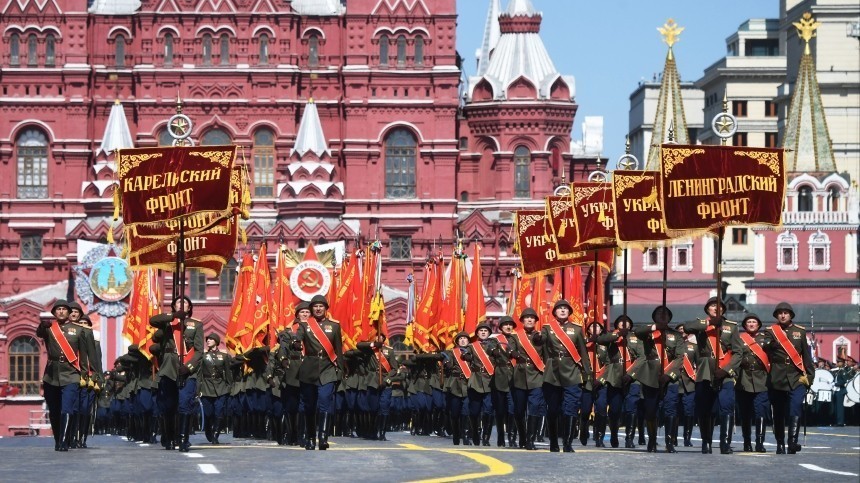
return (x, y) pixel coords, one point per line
(110, 279)
(310, 278)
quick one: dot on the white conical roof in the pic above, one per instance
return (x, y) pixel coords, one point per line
(521, 7)
(310, 136)
(117, 134)
(491, 36)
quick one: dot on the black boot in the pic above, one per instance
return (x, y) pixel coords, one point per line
(583, 429)
(706, 429)
(487, 429)
(216, 426)
(613, 432)
(208, 430)
(746, 432)
(323, 430)
(793, 435)
(629, 430)
(84, 429)
(65, 424)
(541, 431)
(456, 431)
(671, 422)
(552, 433)
(500, 430)
(465, 430)
(779, 433)
(73, 428)
(513, 430)
(475, 430)
(292, 421)
(640, 425)
(531, 432)
(310, 430)
(567, 424)
(56, 429)
(599, 431)
(523, 434)
(382, 428)
(726, 429)
(689, 422)
(759, 435)
(301, 429)
(651, 426)
(185, 431)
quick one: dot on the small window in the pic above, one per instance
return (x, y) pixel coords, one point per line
(32, 57)
(164, 138)
(652, 260)
(818, 256)
(383, 50)
(32, 147)
(464, 196)
(682, 256)
(227, 280)
(819, 251)
(225, 49)
(24, 367)
(522, 172)
(207, 49)
(50, 51)
(196, 285)
(804, 199)
(168, 49)
(503, 248)
(119, 51)
(464, 143)
(15, 50)
(31, 247)
(401, 248)
(216, 137)
(739, 139)
(401, 50)
(264, 163)
(419, 50)
(761, 47)
(833, 199)
(787, 245)
(739, 108)
(770, 109)
(313, 50)
(264, 49)
(771, 140)
(787, 256)
(400, 164)
(739, 236)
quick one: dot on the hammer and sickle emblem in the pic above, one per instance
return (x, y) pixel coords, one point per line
(310, 279)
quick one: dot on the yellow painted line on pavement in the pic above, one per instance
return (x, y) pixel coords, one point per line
(496, 467)
(833, 434)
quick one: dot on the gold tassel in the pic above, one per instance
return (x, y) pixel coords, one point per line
(244, 235)
(652, 198)
(602, 217)
(562, 228)
(116, 204)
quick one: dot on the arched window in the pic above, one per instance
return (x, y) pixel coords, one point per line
(228, 280)
(207, 49)
(32, 164)
(264, 163)
(786, 259)
(419, 50)
(833, 199)
(401, 50)
(313, 50)
(383, 50)
(225, 49)
(119, 51)
(14, 50)
(164, 138)
(522, 173)
(50, 51)
(819, 251)
(168, 49)
(32, 58)
(400, 153)
(264, 49)
(24, 367)
(216, 137)
(196, 284)
(804, 199)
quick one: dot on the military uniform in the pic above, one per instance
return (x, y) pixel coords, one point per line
(215, 379)
(527, 390)
(613, 378)
(457, 373)
(61, 381)
(380, 364)
(594, 394)
(683, 372)
(751, 388)
(791, 371)
(480, 390)
(502, 383)
(563, 377)
(289, 359)
(91, 375)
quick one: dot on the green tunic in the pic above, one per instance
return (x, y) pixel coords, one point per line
(729, 341)
(784, 375)
(561, 369)
(59, 371)
(215, 376)
(317, 368)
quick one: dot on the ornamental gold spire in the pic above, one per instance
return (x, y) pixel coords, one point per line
(806, 29)
(670, 103)
(670, 32)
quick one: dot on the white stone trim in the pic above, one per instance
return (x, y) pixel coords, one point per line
(646, 267)
(819, 240)
(786, 240)
(676, 266)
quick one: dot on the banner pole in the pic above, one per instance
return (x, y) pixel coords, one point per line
(665, 271)
(624, 271)
(597, 278)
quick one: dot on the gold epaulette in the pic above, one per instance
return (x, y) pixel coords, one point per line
(730, 321)
(335, 321)
(798, 326)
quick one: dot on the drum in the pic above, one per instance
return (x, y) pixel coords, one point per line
(823, 381)
(853, 389)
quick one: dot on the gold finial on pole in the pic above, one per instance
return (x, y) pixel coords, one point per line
(178, 103)
(724, 141)
(806, 29)
(670, 32)
(627, 144)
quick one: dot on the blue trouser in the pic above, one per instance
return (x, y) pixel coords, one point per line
(615, 401)
(290, 396)
(480, 403)
(597, 399)
(168, 396)
(501, 402)
(787, 403)
(256, 401)
(688, 402)
(752, 404)
(562, 400)
(438, 399)
(276, 405)
(670, 401)
(650, 401)
(368, 401)
(187, 397)
(715, 400)
(318, 398)
(61, 399)
(422, 401)
(214, 406)
(385, 402)
(398, 403)
(350, 398)
(633, 398)
(528, 399)
(457, 406)
(144, 401)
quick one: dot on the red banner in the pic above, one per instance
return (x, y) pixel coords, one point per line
(537, 249)
(594, 214)
(705, 187)
(561, 224)
(639, 209)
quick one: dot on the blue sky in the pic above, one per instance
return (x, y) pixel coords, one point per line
(610, 45)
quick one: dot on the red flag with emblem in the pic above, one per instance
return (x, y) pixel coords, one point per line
(476, 307)
(523, 288)
(261, 303)
(283, 299)
(428, 307)
(595, 300)
(235, 327)
(539, 301)
(346, 299)
(573, 289)
(451, 316)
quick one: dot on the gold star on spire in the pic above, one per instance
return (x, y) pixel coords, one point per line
(806, 29)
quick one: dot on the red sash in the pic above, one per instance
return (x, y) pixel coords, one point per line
(688, 367)
(483, 357)
(383, 361)
(318, 332)
(723, 358)
(460, 362)
(68, 352)
(657, 337)
(789, 349)
(530, 350)
(591, 348)
(565, 340)
(179, 339)
(504, 341)
(756, 349)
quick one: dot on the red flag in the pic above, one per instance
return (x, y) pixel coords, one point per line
(346, 299)
(145, 302)
(574, 294)
(523, 287)
(235, 328)
(283, 300)
(539, 301)
(595, 303)
(261, 303)
(451, 316)
(428, 307)
(476, 308)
